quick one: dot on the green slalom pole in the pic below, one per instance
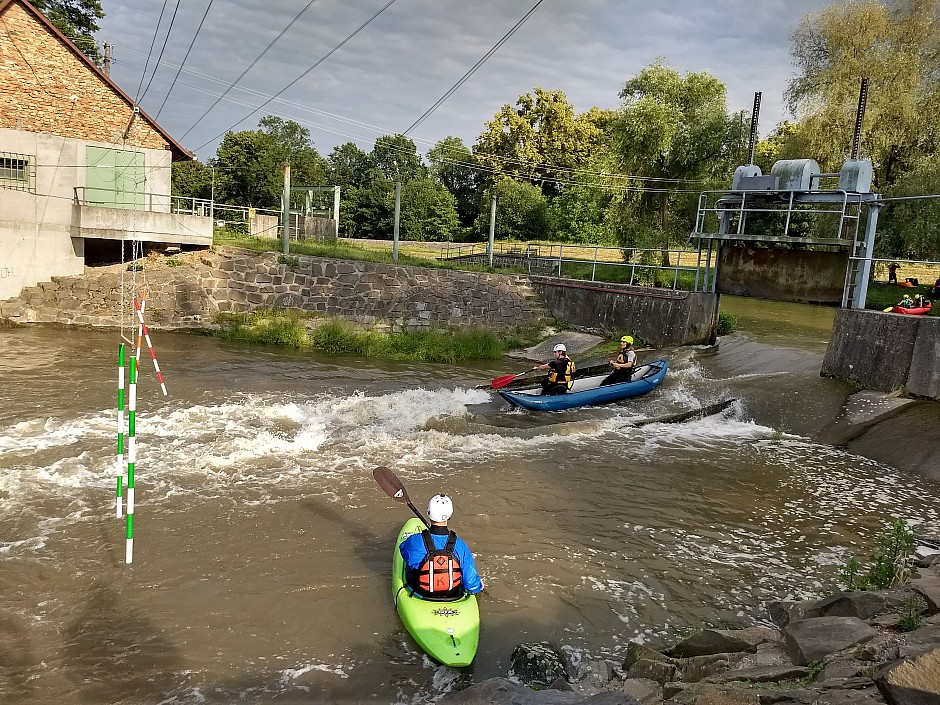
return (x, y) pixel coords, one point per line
(119, 465)
(131, 459)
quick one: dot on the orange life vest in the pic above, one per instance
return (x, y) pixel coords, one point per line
(439, 574)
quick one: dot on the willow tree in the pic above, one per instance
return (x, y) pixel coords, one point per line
(673, 137)
(896, 48)
(541, 140)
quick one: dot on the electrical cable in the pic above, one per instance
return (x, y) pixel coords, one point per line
(317, 63)
(474, 68)
(183, 63)
(162, 49)
(156, 30)
(250, 66)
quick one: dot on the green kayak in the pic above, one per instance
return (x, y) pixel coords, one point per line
(447, 631)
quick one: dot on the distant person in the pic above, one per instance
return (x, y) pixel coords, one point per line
(893, 272)
(624, 364)
(906, 302)
(935, 291)
(438, 563)
(560, 372)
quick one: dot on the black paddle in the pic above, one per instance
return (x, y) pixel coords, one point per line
(392, 486)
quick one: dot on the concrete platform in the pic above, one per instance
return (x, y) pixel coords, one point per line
(577, 344)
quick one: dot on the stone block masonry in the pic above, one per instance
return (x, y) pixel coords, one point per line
(396, 298)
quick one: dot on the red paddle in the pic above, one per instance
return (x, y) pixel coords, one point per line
(501, 382)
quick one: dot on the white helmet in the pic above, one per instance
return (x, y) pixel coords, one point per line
(560, 348)
(440, 508)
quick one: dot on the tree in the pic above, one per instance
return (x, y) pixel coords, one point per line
(348, 165)
(192, 179)
(896, 49)
(521, 212)
(454, 166)
(671, 128)
(912, 226)
(428, 211)
(397, 157)
(250, 163)
(249, 172)
(371, 207)
(540, 140)
(77, 20)
(291, 143)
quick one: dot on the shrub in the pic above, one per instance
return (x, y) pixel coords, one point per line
(727, 323)
(890, 561)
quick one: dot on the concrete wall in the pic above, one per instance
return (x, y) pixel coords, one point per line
(232, 280)
(40, 233)
(658, 316)
(885, 351)
(786, 275)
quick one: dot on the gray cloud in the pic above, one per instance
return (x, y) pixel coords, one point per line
(396, 68)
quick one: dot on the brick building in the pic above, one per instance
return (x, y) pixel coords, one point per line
(82, 169)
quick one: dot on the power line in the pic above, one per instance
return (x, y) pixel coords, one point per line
(318, 62)
(250, 66)
(198, 29)
(156, 30)
(162, 49)
(474, 68)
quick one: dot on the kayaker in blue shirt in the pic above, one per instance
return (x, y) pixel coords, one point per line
(414, 550)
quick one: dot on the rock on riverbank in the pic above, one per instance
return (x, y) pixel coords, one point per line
(846, 649)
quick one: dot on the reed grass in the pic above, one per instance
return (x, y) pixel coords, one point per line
(338, 337)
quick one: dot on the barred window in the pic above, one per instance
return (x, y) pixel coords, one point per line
(17, 171)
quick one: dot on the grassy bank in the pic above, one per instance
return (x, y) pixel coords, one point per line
(338, 337)
(881, 295)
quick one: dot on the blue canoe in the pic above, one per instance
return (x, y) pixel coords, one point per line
(587, 390)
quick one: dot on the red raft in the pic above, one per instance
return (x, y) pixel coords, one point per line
(919, 311)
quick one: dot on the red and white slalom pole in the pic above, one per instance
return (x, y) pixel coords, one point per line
(153, 355)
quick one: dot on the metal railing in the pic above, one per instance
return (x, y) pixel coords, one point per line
(632, 266)
(140, 201)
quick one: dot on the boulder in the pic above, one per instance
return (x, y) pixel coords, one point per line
(653, 670)
(861, 604)
(696, 668)
(635, 652)
(593, 676)
(928, 586)
(645, 691)
(811, 640)
(779, 611)
(500, 691)
(841, 668)
(609, 699)
(720, 641)
(536, 663)
(714, 694)
(823, 696)
(762, 674)
(912, 682)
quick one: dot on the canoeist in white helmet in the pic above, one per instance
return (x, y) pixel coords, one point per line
(560, 372)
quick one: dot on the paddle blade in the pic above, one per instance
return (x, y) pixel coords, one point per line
(888, 310)
(391, 485)
(501, 382)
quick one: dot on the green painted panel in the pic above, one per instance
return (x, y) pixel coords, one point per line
(114, 178)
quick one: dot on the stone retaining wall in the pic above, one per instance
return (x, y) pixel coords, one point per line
(885, 351)
(202, 284)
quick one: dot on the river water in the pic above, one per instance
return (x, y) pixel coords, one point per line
(263, 546)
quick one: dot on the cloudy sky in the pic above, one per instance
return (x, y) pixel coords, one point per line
(382, 79)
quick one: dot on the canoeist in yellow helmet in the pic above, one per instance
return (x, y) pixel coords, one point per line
(560, 372)
(624, 364)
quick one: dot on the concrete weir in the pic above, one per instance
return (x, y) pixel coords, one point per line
(660, 317)
(885, 352)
